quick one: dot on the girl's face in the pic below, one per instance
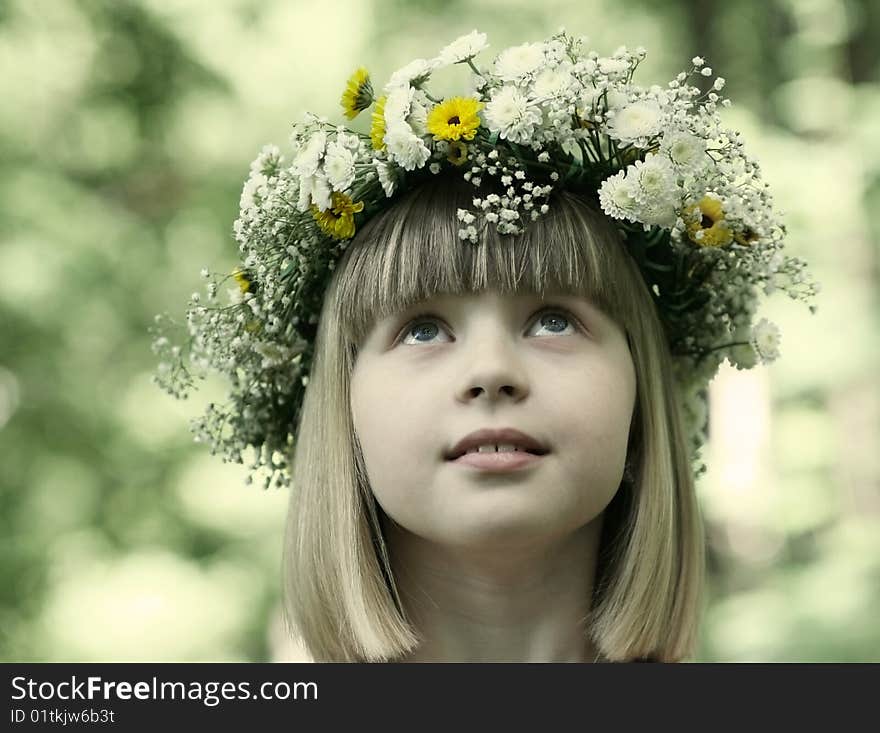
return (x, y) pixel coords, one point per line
(557, 369)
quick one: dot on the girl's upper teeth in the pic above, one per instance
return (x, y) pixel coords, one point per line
(492, 448)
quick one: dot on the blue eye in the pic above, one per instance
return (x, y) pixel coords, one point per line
(424, 325)
(554, 316)
(424, 328)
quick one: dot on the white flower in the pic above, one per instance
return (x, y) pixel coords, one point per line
(339, 166)
(415, 71)
(252, 185)
(418, 117)
(765, 340)
(406, 148)
(616, 197)
(657, 212)
(616, 98)
(510, 113)
(315, 190)
(551, 83)
(652, 179)
(743, 355)
(385, 178)
(466, 216)
(463, 48)
(684, 149)
(614, 68)
(638, 120)
(586, 99)
(309, 156)
(570, 147)
(398, 104)
(515, 62)
(272, 353)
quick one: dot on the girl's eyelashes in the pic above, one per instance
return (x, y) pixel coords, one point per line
(428, 318)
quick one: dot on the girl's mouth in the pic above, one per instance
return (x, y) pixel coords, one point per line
(499, 462)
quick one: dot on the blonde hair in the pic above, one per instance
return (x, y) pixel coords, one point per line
(340, 598)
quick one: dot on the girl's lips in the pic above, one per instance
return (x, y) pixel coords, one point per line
(499, 461)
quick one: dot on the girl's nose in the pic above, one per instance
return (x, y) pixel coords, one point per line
(493, 370)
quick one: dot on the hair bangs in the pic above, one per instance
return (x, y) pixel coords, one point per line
(412, 252)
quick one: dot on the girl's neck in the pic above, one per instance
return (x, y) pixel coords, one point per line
(524, 603)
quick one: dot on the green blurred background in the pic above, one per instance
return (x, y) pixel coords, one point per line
(126, 130)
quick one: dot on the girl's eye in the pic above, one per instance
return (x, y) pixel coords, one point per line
(424, 328)
(552, 319)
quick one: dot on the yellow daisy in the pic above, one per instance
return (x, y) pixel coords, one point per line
(244, 282)
(458, 153)
(358, 94)
(715, 231)
(377, 130)
(455, 119)
(338, 220)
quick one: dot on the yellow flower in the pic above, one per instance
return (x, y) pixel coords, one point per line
(338, 220)
(746, 237)
(377, 131)
(358, 93)
(244, 283)
(455, 119)
(458, 153)
(715, 231)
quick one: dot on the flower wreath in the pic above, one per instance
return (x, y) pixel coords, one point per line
(689, 203)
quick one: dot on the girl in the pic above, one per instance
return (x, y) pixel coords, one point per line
(494, 426)
(394, 551)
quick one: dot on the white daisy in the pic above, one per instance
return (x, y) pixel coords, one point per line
(339, 166)
(314, 190)
(586, 99)
(386, 177)
(616, 99)
(406, 148)
(515, 62)
(510, 113)
(637, 120)
(417, 71)
(309, 156)
(418, 116)
(684, 149)
(254, 184)
(658, 212)
(652, 179)
(616, 197)
(398, 105)
(765, 340)
(551, 83)
(462, 49)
